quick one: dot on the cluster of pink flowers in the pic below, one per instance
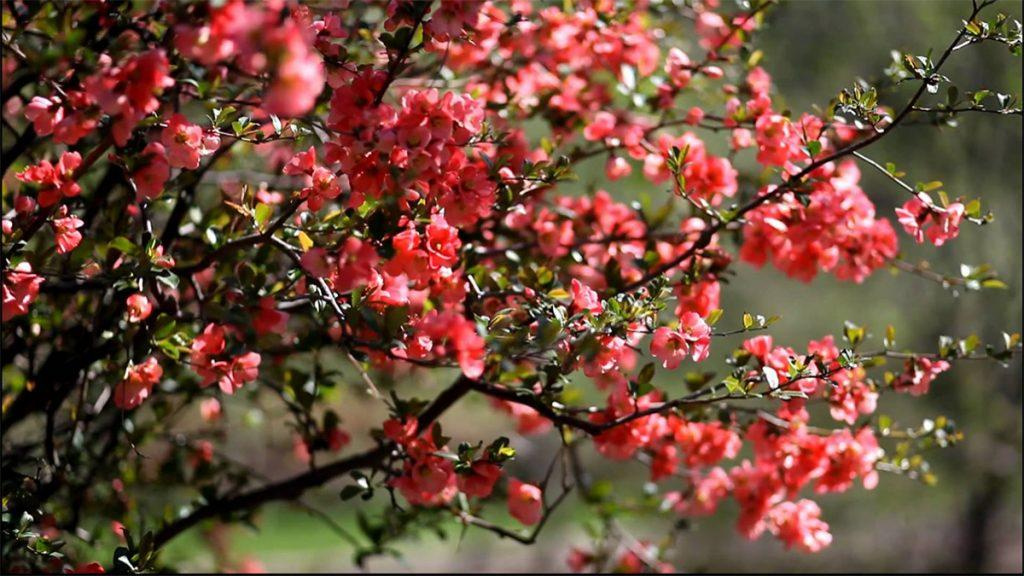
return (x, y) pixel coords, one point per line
(918, 374)
(212, 364)
(923, 219)
(693, 339)
(65, 230)
(566, 54)
(138, 384)
(785, 461)
(799, 525)
(837, 230)
(709, 178)
(446, 334)
(128, 91)
(186, 143)
(849, 394)
(21, 288)
(428, 479)
(415, 153)
(259, 39)
(601, 229)
(55, 181)
(626, 561)
(321, 183)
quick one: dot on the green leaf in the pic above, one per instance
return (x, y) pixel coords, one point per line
(124, 245)
(714, 316)
(646, 374)
(748, 321)
(263, 212)
(732, 384)
(854, 334)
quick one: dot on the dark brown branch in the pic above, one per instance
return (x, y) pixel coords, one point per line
(294, 487)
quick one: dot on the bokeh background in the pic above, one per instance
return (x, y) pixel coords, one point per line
(969, 521)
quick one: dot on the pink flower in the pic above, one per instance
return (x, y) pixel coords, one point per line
(741, 138)
(798, 524)
(694, 116)
(65, 229)
(55, 181)
(617, 167)
(918, 374)
(243, 369)
(44, 113)
(777, 142)
(600, 127)
(678, 68)
(585, 298)
(524, 502)
(21, 288)
(137, 386)
(669, 346)
(153, 173)
(186, 143)
(139, 308)
(708, 491)
(442, 245)
(758, 346)
(920, 218)
(209, 362)
(693, 339)
(301, 163)
(700, 297)
(298, 77)
(528, 420)
(267, 318)
(479, 480)
(210, 409)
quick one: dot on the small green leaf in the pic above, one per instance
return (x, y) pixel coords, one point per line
(714, 316)
(748, 321)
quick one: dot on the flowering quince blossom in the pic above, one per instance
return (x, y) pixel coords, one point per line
(798, 525)
(693, 339)
(203, 195)
(479, 480)
(212, 365)
(139, 308)
(585, 298)
(322, 183)
(153, 174)
(21, 288)
(186, 143)
(137, 386)
(56, 181)
(44, 113)
(922, 219)
(210, 409)
(918, 374)
(65, 230)
(837, 231)
(524, 502)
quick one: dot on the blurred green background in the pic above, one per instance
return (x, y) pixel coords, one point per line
(969, 521)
